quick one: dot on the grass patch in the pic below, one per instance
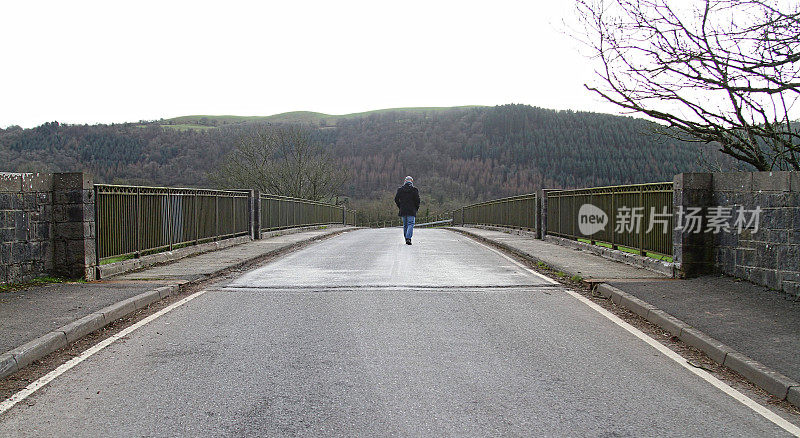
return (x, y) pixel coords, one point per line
(116, 259)
(652, 255)
(576, 279)
(188, 127)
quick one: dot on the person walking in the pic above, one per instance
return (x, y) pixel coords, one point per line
(407, 200)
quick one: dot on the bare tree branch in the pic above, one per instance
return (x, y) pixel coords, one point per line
(725, 72)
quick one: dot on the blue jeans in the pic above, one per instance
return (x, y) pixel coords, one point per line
(408, 226)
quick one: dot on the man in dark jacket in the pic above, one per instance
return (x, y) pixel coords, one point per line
(407, 200)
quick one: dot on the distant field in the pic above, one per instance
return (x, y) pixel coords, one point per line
(211, 121)
(186, 126)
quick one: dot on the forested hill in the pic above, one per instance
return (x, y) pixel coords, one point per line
(458, 154)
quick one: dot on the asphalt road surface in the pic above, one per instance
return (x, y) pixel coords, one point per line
(364, 335)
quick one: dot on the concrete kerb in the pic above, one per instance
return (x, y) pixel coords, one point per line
(767, 379)
(19, 357)
(124, 266)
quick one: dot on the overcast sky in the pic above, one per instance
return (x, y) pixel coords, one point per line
(116, 61)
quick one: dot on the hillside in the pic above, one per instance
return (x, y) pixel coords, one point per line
(456, 155)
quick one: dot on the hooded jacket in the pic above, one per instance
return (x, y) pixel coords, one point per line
(407, 200)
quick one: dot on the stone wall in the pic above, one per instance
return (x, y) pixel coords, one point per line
(47, 226)
(26, 213)
(768, 255)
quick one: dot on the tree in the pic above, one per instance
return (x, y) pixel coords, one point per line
(725, 72)
(281, 160)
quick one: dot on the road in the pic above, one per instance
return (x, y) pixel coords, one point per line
(364, 335)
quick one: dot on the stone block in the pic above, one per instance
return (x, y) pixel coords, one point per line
(769, 200)
(788, 255)
(10, 182)
(89, 229)
(68, 197)
(69, 230)
(37, 182)
(745, 256)
(6, 201)
(21, 225)
(36, 251)
(794, 182)
(771, 181)
(20, 252)
(695, 180)
(88, 212)
(5, 253)
(777, 237)
(41, 231)
(767, 256)
(68, 213)
(72, 181)
(29, 201)
(7, 234)
(16, 201)
(733, 181)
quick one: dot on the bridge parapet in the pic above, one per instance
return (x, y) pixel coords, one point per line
(744, 224)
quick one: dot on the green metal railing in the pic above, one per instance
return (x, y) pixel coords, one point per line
(132, 220)
(351, 218)
(420, 221)
(515, 211)
(624, 206)
(278, 212)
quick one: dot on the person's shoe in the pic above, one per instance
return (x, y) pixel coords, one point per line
(408, 241)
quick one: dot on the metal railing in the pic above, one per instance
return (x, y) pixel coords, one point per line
(132, 220)
(351, 218)
(278, 212)
(648, 204)
(420, 221)
(515, 211)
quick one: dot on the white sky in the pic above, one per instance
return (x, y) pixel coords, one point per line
(116, 61)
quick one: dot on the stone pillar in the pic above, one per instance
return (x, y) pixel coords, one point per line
(541, 213)
(693, 251)
(74, 250)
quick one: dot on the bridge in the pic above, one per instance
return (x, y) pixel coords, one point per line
(276, 316)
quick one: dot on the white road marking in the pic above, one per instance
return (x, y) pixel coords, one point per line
(722, 386)
(750, 403)
(52, 375)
